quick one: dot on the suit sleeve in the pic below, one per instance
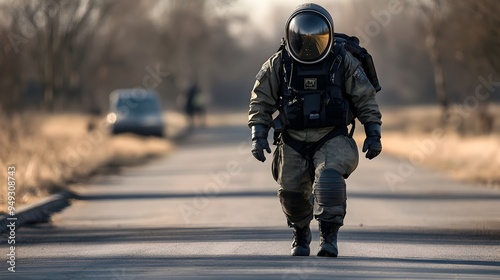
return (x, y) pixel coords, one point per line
(361, 91)
(265, 93)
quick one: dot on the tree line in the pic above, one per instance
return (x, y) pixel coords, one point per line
(61, 55)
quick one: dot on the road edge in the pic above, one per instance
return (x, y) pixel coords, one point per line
(39, 212)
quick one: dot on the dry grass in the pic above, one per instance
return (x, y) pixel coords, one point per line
(414, 134)
(50, 152)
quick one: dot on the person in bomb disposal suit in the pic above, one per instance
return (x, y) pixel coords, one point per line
(318, 88)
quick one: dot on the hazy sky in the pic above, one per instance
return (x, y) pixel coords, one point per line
(267, 18)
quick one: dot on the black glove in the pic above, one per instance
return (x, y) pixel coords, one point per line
(259, 141)
(372, 142)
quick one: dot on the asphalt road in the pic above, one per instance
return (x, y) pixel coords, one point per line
(209, 210)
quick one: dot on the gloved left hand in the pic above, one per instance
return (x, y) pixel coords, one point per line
(259, 142)
(372, 144)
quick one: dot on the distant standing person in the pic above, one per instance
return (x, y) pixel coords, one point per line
(195, 107)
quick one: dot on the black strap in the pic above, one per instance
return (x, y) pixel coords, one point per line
(335, 69)
(308, 149)
(286, 74)
(353, 127)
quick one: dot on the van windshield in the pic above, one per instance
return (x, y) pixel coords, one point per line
(138, 106)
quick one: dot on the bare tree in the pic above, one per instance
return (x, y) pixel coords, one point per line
(56, 36)
(196, 42)
(476, 23)
(10, 76)
(434, 15)
(463, 33)
(488, 12)
(127, 44)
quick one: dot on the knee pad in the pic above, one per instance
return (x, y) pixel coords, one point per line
(330, 188)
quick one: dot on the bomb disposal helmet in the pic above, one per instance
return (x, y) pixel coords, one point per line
(309, 33)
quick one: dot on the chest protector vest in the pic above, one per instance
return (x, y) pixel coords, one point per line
(314, 95)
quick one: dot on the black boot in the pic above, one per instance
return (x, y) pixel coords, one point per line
(301, 241)
(328, 239)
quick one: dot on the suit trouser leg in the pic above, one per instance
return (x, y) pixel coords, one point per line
(325, 198)
(294, 178)
(333, 162)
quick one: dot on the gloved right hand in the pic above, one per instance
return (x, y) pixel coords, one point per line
(259, 141)
(372, 145)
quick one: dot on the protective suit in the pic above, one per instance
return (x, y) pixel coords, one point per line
(313, 158)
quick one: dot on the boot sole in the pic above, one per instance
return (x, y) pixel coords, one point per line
(325, 253)
(300, 252)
